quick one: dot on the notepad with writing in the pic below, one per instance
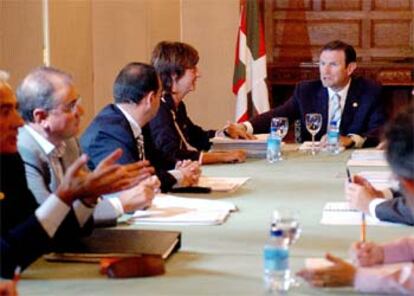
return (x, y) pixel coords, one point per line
(113, 242)
(340, 213)
(368, 157)
(253, 148)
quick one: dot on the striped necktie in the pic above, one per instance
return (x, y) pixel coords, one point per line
(335, 109)
(140, 145)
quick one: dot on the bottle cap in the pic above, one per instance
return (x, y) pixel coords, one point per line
(276, 232)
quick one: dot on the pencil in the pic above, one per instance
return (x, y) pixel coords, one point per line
(363, 228)
(16, 276)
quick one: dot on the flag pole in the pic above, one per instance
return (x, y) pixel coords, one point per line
(46, 40)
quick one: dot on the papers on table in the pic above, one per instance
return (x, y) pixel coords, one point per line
(173, 210)
(307, 146)
(222, 184)
(340, 213)
(367, 157)
(254, 148)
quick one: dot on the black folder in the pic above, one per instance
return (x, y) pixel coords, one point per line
(113, 242)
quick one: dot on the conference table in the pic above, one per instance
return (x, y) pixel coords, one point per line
(227, 259)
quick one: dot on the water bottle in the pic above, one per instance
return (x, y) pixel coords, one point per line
(333, 137)
(273, 146)
(298, 135)
(276, 263)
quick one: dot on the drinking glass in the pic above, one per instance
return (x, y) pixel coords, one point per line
(281, 126)
(313, 125)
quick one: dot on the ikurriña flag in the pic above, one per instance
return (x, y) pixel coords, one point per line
(250, 63)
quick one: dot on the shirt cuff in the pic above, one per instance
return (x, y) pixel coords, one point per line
(116, 203)
(177, 175)
(82, 212)
(374, 204)
(51, 213)
(358, 140)
(249, 127)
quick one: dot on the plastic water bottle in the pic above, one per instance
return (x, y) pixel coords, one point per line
(333, 137)
(276, 263)
(273, 146)
(298, 136)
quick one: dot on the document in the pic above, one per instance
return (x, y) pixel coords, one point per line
(307, 146)
(380, 179)
(222, 184)
(368, 157)
(340, 213)
(254, 148)
(173, 210)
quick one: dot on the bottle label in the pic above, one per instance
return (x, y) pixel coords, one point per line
(332, 137)
(276, 259)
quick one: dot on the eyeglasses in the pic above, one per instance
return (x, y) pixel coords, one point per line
(72, 107)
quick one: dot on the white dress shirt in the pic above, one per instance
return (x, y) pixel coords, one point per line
(137, 131)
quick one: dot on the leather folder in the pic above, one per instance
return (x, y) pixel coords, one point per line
(116, 243)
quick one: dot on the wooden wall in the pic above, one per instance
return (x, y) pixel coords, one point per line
(380, 30)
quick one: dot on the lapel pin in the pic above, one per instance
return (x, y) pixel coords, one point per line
(354, 104)
(2, 196)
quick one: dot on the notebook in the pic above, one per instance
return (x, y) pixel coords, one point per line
(113, 242)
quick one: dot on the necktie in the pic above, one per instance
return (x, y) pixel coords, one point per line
(335, 109)
(140, 146)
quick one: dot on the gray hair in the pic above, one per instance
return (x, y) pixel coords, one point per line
(38, 90)
(400, 144)
(4, 76)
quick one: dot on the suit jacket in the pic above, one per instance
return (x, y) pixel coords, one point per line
(42, 178)
(110, 130)
(22, 237)
(166, 137)
(395, 210)
(363, 112)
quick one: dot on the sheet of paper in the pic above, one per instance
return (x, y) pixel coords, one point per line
(307, 146)
(380, 179)
(173, 210)
(260, 138)
(222, 184)
(340, 213)
(368, 154)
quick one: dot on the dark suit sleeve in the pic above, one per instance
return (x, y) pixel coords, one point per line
(166, 138)
(376, 119)
(395, 210)
(290, 109)
(22, 245)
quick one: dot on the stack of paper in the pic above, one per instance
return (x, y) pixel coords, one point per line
(254, 148)
(222, 184)
(367, 157)
(173, 210)
(340, 213)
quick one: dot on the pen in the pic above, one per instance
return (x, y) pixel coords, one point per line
(363, 222)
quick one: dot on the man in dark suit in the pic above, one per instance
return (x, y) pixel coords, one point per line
(137, 92)
(28, 231)
(387, 205)
(354, 102)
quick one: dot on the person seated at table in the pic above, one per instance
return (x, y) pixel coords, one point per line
(355, 103)
(27, 230)
(386, 205)
(137, 92)
(172, 130)
(378, 279)
(50, 105)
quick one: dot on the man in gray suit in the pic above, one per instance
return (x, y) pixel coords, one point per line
(49, 104)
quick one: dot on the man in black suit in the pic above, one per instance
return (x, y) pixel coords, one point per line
(137, 92)
(354, 102)
(28, 231)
